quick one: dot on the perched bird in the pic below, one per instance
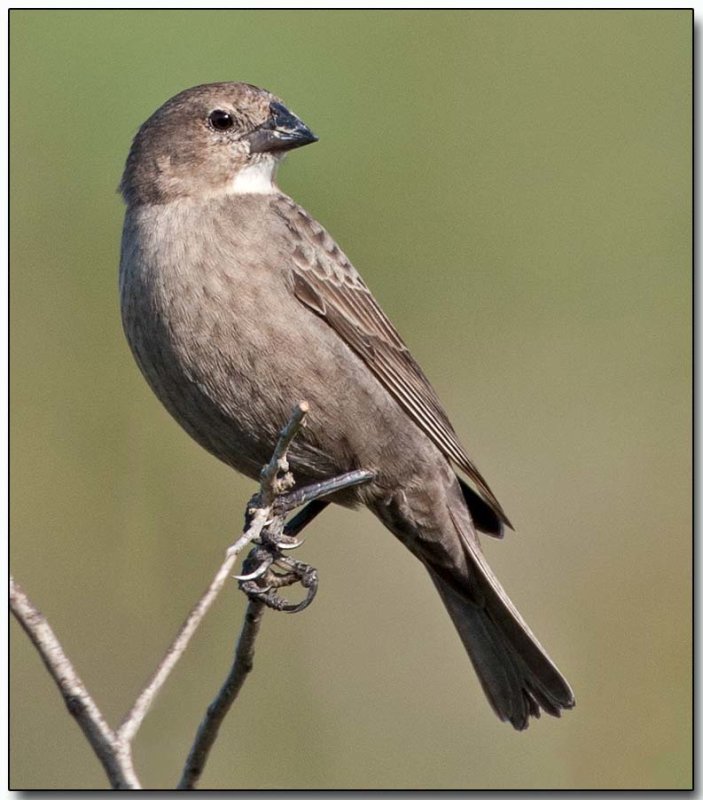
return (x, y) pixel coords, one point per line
(237, 304)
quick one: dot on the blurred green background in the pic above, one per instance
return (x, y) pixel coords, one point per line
(515, 187)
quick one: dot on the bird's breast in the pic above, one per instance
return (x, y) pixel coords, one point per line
(193, 296)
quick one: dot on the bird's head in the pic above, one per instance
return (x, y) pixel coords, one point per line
(211, 139)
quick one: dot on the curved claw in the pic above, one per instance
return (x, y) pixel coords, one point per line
(305, 602)
(257, 573)
(290, 545)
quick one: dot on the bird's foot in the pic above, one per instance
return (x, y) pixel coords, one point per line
(261, 581)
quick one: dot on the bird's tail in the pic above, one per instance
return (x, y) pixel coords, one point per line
(515, 672)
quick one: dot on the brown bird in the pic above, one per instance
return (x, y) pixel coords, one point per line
(237, 304)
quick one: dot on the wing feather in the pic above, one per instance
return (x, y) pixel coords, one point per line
(325, 281)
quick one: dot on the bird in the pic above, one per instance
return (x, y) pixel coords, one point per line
(236, 303)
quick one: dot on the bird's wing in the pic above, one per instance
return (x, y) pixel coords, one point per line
(326, 282)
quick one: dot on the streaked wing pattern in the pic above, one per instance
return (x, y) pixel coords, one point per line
(326, 282)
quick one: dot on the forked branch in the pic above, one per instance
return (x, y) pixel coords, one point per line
(265, 523)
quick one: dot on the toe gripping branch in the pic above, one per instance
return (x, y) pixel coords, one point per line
(267, 568)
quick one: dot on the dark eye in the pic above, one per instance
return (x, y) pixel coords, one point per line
(220, 120)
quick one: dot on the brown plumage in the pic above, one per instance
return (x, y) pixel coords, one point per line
(237, 304)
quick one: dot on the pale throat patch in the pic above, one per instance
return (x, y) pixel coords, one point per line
(257, 178)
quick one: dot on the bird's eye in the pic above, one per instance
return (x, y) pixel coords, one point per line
(220, 120)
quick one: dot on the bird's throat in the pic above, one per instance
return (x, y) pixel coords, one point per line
(256, 178)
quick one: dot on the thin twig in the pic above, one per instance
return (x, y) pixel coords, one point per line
(135, 716)
(275, 480)
(268, 491)
(217, 710)
(114, 755)
(270, 486)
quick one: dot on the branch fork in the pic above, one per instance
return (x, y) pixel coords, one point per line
(266, 527)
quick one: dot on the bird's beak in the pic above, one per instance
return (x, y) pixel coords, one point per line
(283, 131)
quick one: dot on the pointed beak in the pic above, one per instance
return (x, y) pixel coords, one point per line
(283, 131)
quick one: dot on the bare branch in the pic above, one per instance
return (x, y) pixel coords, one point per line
(217, 710)
(112, 754)
(275, 480)
(270, 486)
(274, 502)
(266, 514)
(269, 490)
(135, 716)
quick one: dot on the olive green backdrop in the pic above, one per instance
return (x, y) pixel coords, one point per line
(515, 188)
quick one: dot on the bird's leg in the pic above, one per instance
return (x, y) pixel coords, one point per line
(315, 491)
(260, 580)
(304, 517)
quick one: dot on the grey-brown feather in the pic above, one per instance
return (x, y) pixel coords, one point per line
(327, 282)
